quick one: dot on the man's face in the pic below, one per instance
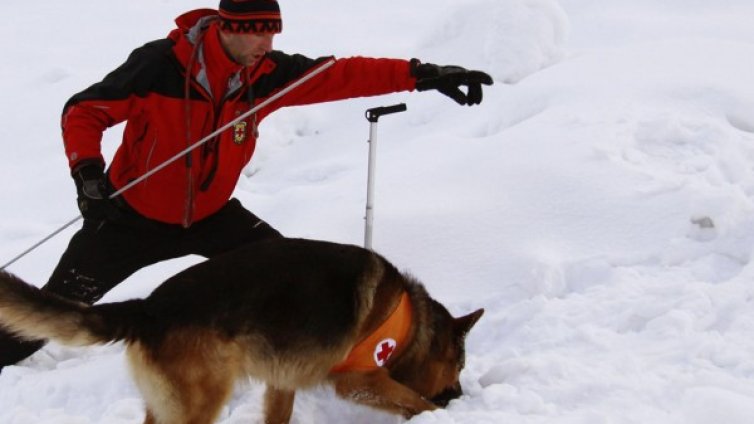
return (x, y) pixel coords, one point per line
(246, 49)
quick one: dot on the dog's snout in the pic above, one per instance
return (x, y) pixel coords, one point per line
(443, 398)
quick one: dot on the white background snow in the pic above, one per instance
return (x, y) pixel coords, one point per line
(599, 204)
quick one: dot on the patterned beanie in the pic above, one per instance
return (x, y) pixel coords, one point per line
(254, 16)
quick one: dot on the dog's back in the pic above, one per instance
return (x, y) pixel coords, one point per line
(278, 288)
(283, 289)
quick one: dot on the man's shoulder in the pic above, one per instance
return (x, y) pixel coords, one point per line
(152, 57)
(295, 63)
(282, 58)
(159, 47)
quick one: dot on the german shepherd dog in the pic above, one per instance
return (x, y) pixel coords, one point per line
(293, 313)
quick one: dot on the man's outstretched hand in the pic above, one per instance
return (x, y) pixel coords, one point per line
(448, 80)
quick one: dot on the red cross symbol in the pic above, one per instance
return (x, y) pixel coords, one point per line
(383, 351)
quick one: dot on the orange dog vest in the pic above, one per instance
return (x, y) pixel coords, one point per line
(375, 350)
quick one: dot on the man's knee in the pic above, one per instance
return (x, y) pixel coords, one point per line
(264, 231)
(75, 285)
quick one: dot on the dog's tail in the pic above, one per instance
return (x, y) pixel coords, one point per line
(31, 313)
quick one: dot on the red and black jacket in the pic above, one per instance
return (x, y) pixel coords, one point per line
(167, 110)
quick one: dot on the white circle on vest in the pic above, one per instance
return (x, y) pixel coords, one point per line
(383, 351)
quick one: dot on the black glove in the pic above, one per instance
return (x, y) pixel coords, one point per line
(91, 188)
(448, 79)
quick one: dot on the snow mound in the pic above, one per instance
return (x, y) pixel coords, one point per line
(508, 39)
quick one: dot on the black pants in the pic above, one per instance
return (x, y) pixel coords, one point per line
(104, 253)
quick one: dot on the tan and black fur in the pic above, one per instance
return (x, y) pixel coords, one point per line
(281, 311)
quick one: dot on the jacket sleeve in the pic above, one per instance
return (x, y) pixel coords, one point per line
(347, 78)
(89, 113)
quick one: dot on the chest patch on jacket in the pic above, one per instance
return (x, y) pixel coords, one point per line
(239, 132)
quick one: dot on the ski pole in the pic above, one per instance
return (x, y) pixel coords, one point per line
(373, 115)
(177, 156)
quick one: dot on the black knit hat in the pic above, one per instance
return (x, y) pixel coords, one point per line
(250, 16)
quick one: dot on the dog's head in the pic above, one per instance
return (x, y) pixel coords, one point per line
(435, 375)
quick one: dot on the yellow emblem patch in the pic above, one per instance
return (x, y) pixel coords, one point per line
(239, 132)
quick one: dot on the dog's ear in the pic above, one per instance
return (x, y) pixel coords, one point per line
(463, 325)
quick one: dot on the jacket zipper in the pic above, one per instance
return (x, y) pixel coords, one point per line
(188, 211)
(213, 145)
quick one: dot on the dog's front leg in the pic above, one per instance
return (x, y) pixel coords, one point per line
(278, 405)
(378, 390)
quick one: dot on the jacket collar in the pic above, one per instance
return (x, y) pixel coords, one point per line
(212, 58)
(192, 29)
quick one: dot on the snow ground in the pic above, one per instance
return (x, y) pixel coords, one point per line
(598, 204)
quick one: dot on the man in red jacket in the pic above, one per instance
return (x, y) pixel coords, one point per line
(216, 65)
